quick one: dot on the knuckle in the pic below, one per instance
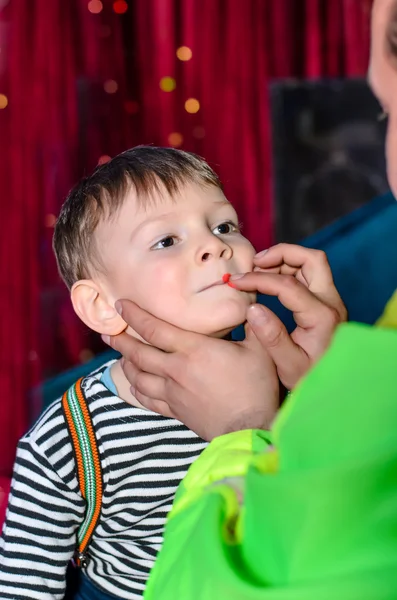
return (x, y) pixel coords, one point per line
(148, 329)
(320, 257)
(140, 383)
(273, 335)
(144, 400)
(178, 366)
(290, 282)
(135, 359)
(129, 370)
(330, 317)
(343, 315)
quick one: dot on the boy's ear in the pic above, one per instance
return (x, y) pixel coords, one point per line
(94, 309)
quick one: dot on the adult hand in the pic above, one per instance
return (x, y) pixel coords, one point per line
(213, 386)
(302, 280)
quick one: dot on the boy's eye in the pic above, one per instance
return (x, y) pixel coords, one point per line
(225, 228)
(166, 242)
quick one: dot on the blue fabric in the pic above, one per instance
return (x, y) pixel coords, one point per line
(88, 591)
(108, 381)
(362, 251)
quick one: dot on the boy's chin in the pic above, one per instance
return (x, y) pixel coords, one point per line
(224, 334)
(224, 329)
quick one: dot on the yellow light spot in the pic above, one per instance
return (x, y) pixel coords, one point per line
(192, 105)
(199, 132)
(50, 220)
(103, 159)
(184, 53)
(110, 86)
(167, 84)
(3, 101)
(175, 139)
(95, 6)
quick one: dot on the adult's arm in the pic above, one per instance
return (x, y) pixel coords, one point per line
(285, 521)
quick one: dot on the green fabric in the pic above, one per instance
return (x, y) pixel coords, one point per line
(314, 517)
(227, 456)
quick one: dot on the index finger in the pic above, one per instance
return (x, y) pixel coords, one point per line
(154, 331)
(146, 358)
(312, 263)
(291, 293)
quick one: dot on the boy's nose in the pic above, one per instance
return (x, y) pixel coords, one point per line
(215, 249)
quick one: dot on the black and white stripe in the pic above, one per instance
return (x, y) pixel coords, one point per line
(144, 457)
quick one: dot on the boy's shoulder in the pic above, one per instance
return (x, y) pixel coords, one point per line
(52, 420)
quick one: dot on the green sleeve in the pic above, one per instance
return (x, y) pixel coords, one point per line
(308, 512)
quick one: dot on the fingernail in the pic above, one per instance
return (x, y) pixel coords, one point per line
(106, 339)
(261, 253)
(118, 307)
(256, 314)
(237, 276)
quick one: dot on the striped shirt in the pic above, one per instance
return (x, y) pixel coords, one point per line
(144, 457)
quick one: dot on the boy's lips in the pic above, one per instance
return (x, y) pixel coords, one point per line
(223, 281)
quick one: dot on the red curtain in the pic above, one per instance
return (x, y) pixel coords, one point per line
(82, 83)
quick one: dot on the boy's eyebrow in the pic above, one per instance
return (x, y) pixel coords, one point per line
(163, 216)
(149, 221)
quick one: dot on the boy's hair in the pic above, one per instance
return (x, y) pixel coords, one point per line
(147, 169)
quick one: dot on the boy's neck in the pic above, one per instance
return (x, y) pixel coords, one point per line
(123, 386)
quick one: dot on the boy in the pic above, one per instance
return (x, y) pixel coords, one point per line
(151, 225)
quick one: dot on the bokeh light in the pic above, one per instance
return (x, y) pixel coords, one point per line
(192, 105)
(120, 7)
(50, 220)
(199, 132)
(95, 6)
(175, 139)
(85, 355)
(131, 107)
(103, 159)
(3, 101)
(167, 84)
(110, 86)
(184, 53)
(32, 356)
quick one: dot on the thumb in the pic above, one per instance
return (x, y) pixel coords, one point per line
(289, 358)
(266, 326)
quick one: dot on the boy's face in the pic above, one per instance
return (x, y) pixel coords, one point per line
(167, 255)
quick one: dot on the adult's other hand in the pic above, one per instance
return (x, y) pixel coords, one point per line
(302, 280)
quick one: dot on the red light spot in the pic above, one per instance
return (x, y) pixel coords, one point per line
(120, 7)
(226, 277)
